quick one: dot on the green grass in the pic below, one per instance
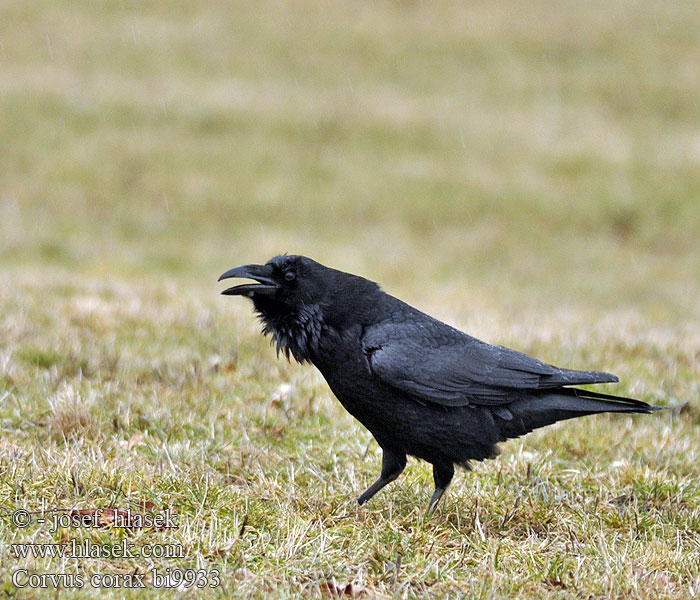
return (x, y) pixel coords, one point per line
(527, 172)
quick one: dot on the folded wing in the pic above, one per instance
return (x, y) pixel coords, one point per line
(433, 362)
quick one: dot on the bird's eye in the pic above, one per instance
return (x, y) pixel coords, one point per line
(290, 275)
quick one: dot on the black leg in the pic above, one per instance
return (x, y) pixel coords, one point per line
(393, 464)
(442, 475)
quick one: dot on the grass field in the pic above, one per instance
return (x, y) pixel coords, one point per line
(529, 172)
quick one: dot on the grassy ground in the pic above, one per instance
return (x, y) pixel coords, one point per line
(528, 172)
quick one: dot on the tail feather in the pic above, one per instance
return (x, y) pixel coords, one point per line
(538, 410)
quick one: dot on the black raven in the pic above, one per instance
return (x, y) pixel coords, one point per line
(420, 386)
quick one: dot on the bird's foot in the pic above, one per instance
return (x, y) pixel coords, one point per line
(434, 499)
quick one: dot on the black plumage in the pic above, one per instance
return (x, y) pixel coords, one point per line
(420, 386)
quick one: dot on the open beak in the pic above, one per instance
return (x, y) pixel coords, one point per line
(266, 285)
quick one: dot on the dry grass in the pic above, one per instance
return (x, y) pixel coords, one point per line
(527, 173)
(70, 414)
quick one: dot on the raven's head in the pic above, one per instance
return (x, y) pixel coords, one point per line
(297, 298)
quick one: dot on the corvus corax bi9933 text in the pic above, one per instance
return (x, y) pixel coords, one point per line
(420, 386)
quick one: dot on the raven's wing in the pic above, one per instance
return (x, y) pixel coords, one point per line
(434, 362)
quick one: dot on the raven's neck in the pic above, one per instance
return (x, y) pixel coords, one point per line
(297, 334)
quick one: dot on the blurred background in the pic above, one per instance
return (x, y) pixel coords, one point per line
(466, 155)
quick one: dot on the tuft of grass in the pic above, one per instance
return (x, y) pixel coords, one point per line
(38, 357)
(70, 415)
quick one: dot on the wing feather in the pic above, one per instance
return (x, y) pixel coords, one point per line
(433, 362)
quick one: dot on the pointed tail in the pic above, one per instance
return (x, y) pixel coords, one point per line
(538, 410)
